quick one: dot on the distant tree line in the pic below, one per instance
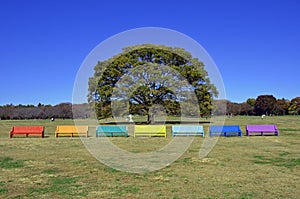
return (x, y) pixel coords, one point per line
(41, 111)
(262, 105)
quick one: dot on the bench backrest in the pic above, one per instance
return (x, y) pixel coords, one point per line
(111, 129)
(187, 129)
(27, 129)
(71, 129)
(150, 128)
(224, 129)
(261, 127)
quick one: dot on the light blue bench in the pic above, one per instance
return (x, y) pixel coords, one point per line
(227, 130)
(111, 131)
(187, 131)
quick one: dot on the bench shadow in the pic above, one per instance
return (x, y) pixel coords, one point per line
(29, 137)
(157, 122)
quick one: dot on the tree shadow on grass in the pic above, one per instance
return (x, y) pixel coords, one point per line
(156, 122)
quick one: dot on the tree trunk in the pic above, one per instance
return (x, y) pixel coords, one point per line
(150, 118)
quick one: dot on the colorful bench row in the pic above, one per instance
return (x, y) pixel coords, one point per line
(149, 130)
(139, 130)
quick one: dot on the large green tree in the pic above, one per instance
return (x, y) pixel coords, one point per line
(149, 72)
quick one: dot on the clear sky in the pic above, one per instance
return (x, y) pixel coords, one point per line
(255, 44)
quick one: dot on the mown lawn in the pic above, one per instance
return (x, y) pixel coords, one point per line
(237, 167)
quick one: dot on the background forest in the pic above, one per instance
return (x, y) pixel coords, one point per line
(262, 105)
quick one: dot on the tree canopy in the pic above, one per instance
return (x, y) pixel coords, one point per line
(294, 106)
(264, 104)
(151, 74)
(62, 110)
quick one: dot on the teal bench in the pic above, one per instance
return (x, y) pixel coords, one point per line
(226, 131)
(111, 131)
(187, 131)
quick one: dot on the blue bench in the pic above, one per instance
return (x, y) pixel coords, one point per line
(187, 131)
(227, 130)
(111, 131)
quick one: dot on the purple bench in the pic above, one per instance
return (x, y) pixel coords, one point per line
(261, 129)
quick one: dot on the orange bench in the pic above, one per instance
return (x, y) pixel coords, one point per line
(27, 130)
(71, 131)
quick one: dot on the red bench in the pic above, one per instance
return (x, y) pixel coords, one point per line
(27, 130)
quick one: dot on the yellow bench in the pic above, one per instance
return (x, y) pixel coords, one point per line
(71, 131)
(150, 130)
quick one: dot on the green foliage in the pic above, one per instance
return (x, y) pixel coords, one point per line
(119, 191)
(294, 107)
(247, 195)
(150, 74)
(61, 185)
(250, 101)
(111, 170)
(2, 188)
(9, 163)
(51, 171)
(278, 161)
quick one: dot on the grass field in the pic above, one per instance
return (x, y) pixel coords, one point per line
(237, 167)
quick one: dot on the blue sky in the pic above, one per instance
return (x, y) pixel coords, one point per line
(255, 44)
